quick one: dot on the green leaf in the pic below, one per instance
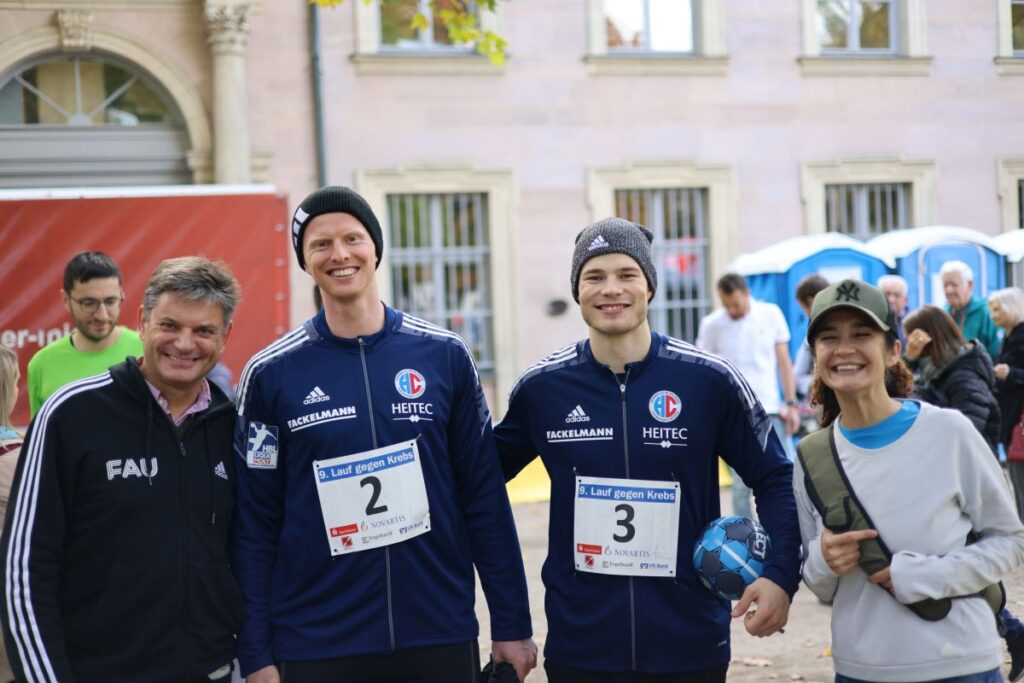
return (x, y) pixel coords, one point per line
(419, 21)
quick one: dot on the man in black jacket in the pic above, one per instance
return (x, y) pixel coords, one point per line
(114, 551)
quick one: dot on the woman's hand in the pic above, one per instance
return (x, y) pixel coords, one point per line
(916, 341)
(842, 551)
(1002, 371)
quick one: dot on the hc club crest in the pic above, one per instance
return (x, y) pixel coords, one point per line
(410, 383)
(665, 406)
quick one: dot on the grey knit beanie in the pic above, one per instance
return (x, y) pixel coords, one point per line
(334, 199)
(614, 236)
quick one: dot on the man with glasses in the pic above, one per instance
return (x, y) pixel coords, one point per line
(93, 295)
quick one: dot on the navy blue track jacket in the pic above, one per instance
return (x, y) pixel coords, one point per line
(318, 396)
(565, 408)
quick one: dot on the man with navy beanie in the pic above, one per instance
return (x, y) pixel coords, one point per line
(629, 424)
(369, 486)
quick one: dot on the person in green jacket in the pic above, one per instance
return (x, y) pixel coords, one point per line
(92, 296)
(969, 312)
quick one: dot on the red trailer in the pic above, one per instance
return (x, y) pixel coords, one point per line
(40, 230)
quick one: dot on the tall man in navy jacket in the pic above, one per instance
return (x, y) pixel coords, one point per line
(630, 424)
(369, 486)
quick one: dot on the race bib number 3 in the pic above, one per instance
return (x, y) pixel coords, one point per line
(628, 527)
(372, 499)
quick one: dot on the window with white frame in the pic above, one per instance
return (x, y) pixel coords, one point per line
(860, 26)
(1020, 204)
(81, 91)
(864, 210)
(912, 183)
(649, 26)
(681, 252)
(399, 32)
(1017, 27)
(439, 258)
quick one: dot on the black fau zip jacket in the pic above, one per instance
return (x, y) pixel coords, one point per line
(115, 547)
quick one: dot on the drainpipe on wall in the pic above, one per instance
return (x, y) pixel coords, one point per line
(318, 99)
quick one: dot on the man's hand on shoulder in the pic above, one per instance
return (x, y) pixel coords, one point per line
(268, 674)
(770, 608)
(521, 654)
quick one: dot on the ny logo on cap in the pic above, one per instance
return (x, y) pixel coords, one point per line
(848, 292)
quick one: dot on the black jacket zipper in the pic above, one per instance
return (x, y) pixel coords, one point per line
(373, 432)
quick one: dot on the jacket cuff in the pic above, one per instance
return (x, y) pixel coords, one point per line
(517, 631)
(249, 664)
(786, 580)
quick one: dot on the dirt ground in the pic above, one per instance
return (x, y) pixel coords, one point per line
(800, 654)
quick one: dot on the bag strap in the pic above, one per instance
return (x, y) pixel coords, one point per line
(841, 511)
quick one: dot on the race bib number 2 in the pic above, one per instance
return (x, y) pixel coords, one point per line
(627, 527)
(372, 499)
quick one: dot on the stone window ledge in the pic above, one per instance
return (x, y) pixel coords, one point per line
(1010, 66)
(864, 66)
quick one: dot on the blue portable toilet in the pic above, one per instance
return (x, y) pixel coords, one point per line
(774, 272)
(1011, 245)
(920, 252)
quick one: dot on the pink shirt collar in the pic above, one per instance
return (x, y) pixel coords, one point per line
(202, 402)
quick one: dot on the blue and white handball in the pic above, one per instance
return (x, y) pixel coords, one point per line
(730, 554)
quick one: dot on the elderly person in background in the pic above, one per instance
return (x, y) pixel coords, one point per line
(895, 289)
(967, 310)
(1007, 309)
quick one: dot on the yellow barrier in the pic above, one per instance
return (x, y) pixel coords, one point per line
(532, 485)
(724, 475)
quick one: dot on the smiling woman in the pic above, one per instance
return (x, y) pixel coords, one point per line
(882, 448)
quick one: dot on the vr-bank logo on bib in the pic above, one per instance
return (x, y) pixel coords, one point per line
(410, 383)
(665, 406)
(261, 452)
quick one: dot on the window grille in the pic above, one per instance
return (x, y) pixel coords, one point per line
(681, 250)
(867, 209)
(440, 265)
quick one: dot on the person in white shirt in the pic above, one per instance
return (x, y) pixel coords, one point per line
(754, 337)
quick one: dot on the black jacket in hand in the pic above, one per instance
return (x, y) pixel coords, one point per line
(1010, 391)
(114, 551)
(967, 383)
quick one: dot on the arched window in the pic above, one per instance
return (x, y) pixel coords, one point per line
(88, 120)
